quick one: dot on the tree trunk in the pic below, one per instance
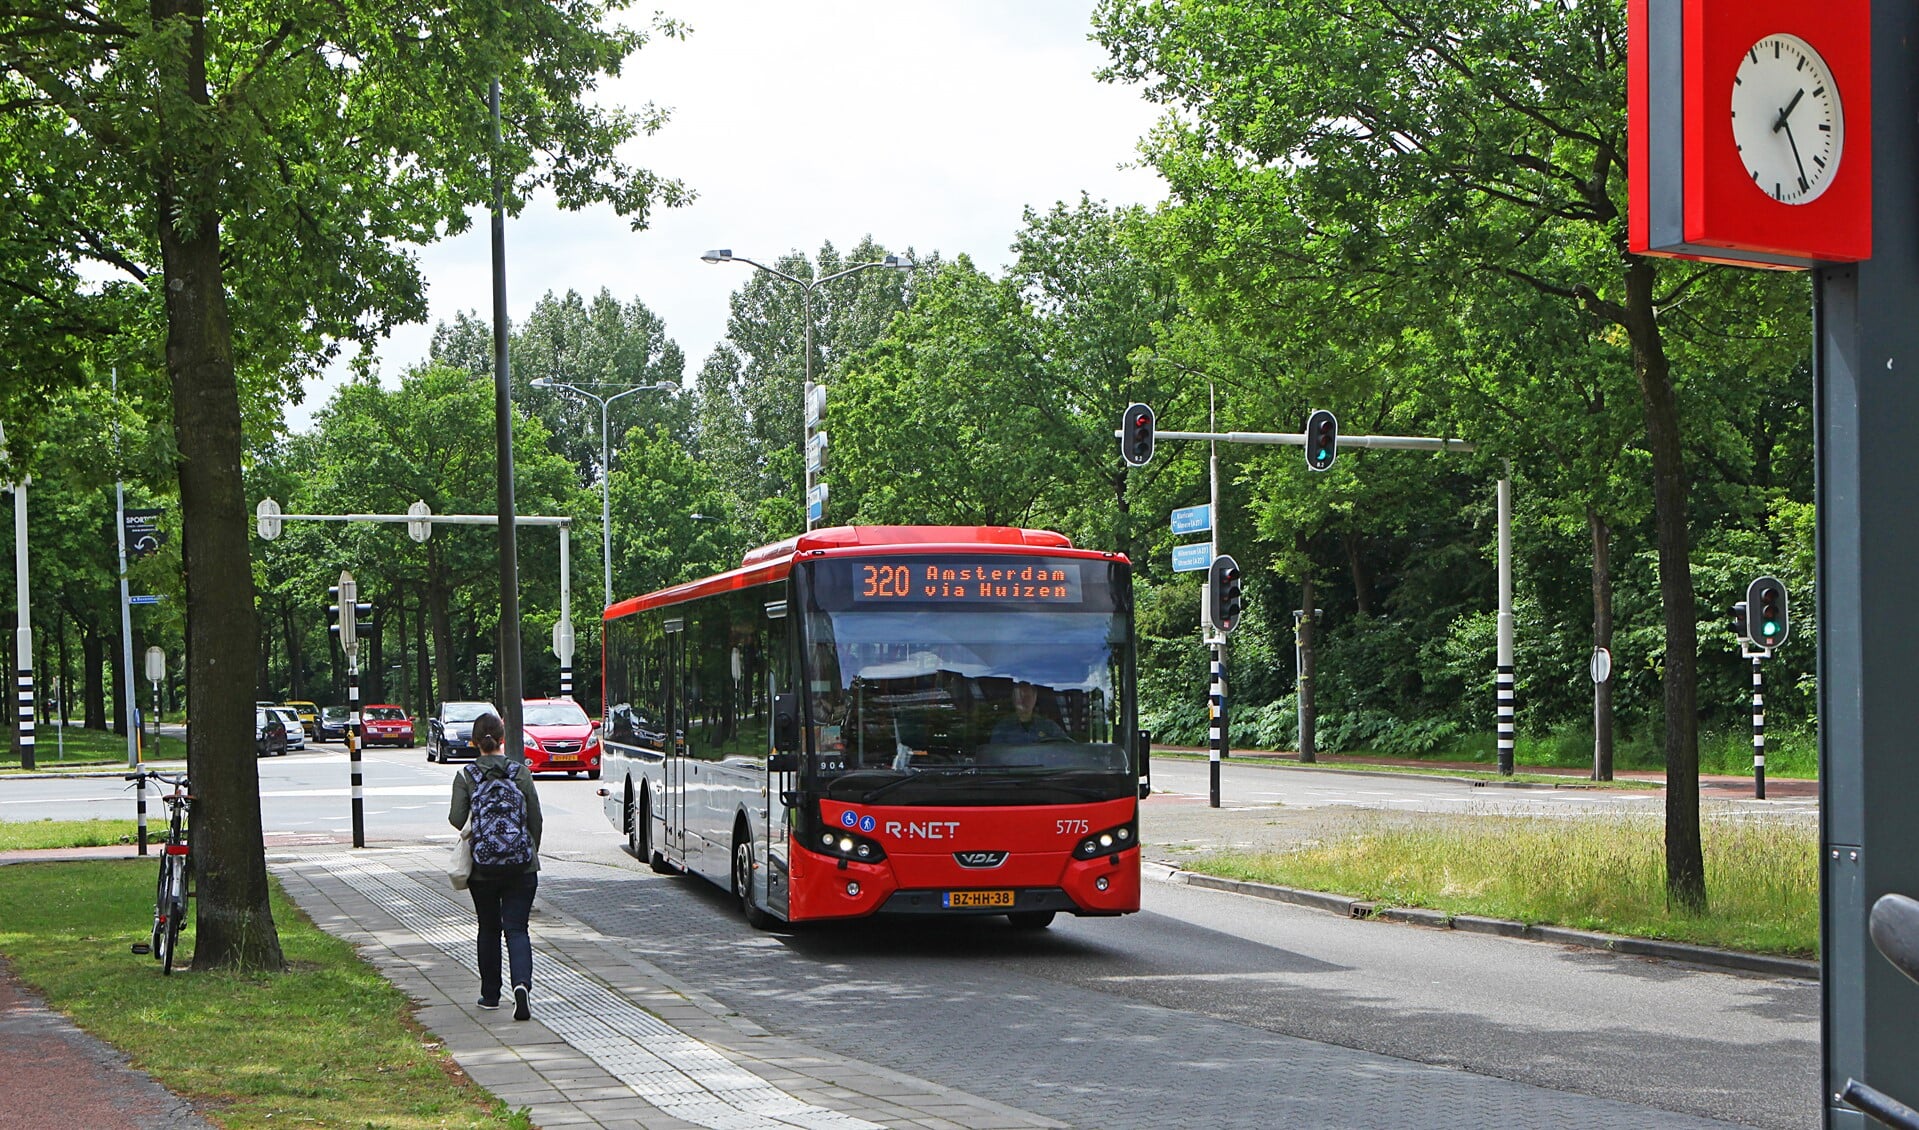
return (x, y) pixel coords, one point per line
(118, 646)
(423, 684)
(1602, 637)
(1362, 584)
(436, 595)
(263, 666)
(234, 926)
(93, 685)
(1685, 861)
(296, 659)
(1303, 633)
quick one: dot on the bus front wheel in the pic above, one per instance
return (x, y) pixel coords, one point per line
(743, 884)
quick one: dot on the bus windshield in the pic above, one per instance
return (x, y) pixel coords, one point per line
(919, 697)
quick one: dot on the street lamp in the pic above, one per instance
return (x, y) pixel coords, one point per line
(807, 287)
(606, 467)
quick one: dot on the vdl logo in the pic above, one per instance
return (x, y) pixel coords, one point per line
(851, 819)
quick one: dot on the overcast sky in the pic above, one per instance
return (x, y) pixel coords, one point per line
(921, 123)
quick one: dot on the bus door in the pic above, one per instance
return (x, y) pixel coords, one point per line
(673, 804)
(777, 648)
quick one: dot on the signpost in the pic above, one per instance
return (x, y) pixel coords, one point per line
(1193, 519)
(1192, 558)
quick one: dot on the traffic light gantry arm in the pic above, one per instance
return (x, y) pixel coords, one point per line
(1298, 439)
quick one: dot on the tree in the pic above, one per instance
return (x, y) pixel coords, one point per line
(255, 171)
(1440, 145)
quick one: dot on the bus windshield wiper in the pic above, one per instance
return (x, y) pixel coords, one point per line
(917, 775)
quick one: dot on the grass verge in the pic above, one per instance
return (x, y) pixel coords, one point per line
(1490, 773)
(40, 835)
(327, 1043)
(1604, 873)
(73, 747)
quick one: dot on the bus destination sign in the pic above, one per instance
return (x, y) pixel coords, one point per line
(951, 581)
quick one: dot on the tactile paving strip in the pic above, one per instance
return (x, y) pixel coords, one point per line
(672, 1071)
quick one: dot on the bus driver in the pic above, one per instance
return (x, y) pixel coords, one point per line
(1024, 726)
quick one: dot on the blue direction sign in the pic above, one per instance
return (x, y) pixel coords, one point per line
(146, 598)
(1192, 519)
(1190, 558)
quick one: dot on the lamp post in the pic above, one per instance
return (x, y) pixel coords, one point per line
(606, 467)
(807, 410)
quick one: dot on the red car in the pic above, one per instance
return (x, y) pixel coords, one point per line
(385, 724)
(560, 738)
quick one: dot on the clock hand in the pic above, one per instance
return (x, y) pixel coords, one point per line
(1803, 183)
(1787, 112)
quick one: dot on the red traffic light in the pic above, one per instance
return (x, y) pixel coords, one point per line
(1136, 427)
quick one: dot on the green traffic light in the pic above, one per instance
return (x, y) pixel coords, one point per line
(1772, 627)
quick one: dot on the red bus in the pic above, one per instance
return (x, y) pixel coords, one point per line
(911, 720)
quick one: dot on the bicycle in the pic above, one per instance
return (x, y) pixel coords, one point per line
(172, 890)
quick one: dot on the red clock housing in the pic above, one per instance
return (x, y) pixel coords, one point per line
(1690, 194)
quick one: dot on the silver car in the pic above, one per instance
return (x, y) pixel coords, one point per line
(296, 733)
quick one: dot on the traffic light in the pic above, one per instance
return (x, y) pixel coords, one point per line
(343, 620)
(1739, 625)
(1322, 440)
(1226, 600)
(1136, 435)
(1766, 616)
(333, 612)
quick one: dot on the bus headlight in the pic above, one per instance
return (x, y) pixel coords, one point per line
(1107, 842)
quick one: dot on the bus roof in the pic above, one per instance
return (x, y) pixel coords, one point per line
(772, 562)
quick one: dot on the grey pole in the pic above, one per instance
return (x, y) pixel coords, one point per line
(23, 637)
(606, 507)
(1503, 680)
(806, 429)
(126, 613)
(508, 660)
(566, 609)
(1866, 403)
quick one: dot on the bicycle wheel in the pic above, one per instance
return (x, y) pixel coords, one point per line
(174, 920)
(159, 906)
(166, 922)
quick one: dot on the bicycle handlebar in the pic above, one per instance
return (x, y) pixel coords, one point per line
(178, 780)
(1895, 930)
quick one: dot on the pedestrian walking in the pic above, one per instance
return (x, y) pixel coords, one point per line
(496, 793)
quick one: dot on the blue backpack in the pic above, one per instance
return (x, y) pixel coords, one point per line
(501, 838)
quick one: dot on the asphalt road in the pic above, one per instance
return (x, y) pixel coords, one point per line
(1199, 1007)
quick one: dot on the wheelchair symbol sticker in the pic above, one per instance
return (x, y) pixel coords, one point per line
(849, 819)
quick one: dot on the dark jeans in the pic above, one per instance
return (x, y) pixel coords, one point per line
(502, 906)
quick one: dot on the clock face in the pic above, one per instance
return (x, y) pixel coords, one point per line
(1786, 119)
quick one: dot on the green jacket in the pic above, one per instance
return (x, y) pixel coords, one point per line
(495, 765)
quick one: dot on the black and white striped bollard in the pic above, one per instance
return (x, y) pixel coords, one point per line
(24, 715)
(1758, 732)
(353, 752)
(1504, 689)
(1216, 708)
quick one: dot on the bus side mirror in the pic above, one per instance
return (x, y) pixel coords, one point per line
(786, 722)
(1145, 764)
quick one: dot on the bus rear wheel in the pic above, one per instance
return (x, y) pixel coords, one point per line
(1031, 919)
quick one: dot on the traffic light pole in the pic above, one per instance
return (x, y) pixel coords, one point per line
(1758, 731)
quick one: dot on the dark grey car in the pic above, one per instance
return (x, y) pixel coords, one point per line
(269, 734)
(450, 730)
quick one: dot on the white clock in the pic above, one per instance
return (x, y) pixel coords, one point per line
(1787, 119)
